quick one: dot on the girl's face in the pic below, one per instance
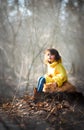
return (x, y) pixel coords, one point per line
(49, 57)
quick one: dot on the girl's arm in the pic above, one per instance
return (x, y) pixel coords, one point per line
(60, 75)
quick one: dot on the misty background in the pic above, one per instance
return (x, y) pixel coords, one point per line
(27, 28)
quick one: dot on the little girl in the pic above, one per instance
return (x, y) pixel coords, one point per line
(56, 73)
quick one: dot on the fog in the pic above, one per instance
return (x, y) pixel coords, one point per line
(27, 28)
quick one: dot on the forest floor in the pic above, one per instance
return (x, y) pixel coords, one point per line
(56, 111)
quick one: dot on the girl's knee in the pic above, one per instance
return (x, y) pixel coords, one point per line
(42, 78)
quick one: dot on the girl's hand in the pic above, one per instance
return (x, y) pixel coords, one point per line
(50, 75)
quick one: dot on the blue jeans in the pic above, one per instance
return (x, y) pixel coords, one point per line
(41, 82)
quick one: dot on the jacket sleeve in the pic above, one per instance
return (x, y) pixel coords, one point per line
(60, 75)
(48, 78)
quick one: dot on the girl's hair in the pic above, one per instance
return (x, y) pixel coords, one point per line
(54, 52)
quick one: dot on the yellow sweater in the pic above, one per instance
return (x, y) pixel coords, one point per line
(56, 73)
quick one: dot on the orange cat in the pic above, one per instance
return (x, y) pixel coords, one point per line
(66, 87)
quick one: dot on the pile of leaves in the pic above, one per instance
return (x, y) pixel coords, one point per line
(61, 111)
